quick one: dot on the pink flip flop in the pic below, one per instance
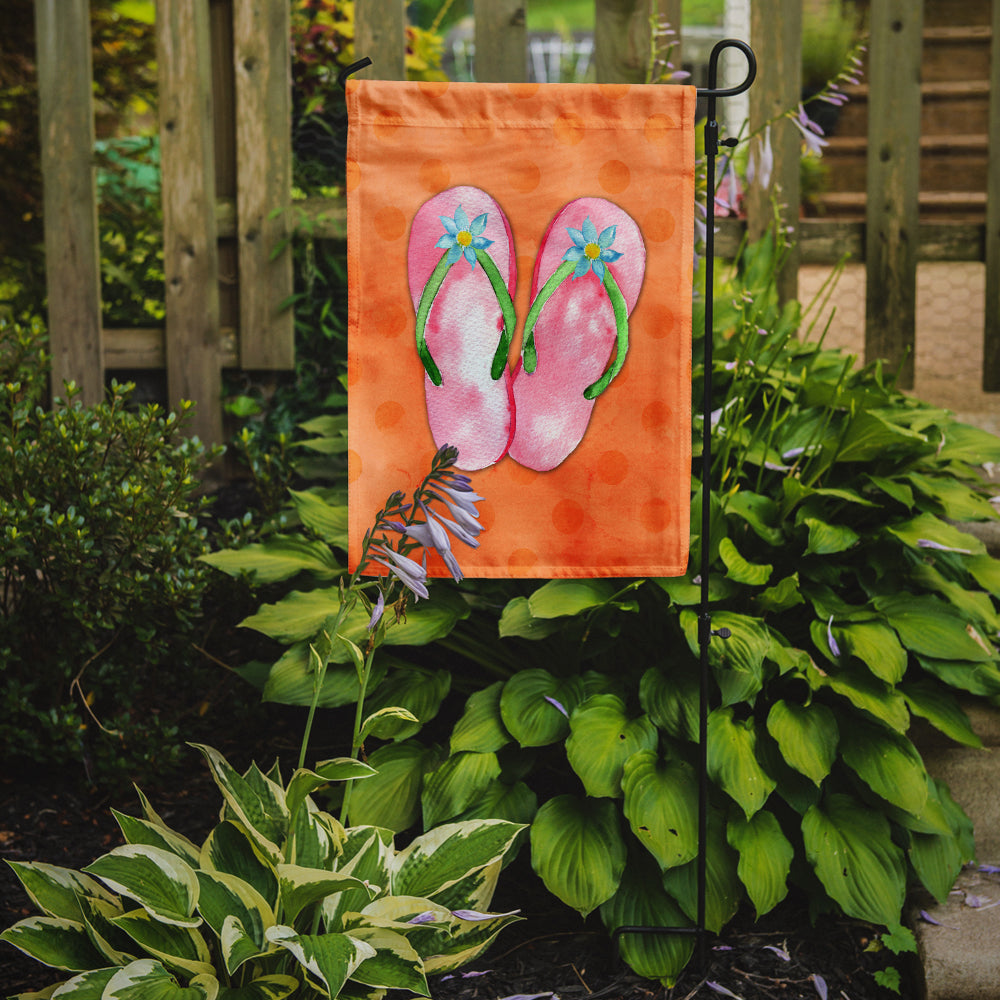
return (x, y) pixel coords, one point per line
(462, 274)
(587, 278)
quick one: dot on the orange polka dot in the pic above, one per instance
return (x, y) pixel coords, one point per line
(567, 517)
(659, 225)
(434, 175)
(388, 414)
(487, 514)
(521, 559)
(656, 415)
(658, 321)
(614, 176)
(614, 91)
(353, 466)
(387, 125)
(612, 467)
(654, 515)
(393, 319)
(353, 175)
(523, 90)
(569, 128)
(478, 130)
(390, 223)
(658, 127)
(433, 88)
(524, 176)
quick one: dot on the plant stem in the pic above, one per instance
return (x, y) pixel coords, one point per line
(356, 738)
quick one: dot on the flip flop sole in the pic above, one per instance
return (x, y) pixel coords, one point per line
(576, 332)
(460, 323)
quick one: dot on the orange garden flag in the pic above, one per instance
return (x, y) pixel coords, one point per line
(520, 263)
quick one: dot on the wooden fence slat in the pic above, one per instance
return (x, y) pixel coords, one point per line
(380, 34)
(72, 256)
(190, 253)
(991, 332)
(262, 61)
(501, 41)
(621, 40)
(776, 36)
(893, 184)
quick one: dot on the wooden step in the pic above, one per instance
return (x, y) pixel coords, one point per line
(956, 53)
(957, 206)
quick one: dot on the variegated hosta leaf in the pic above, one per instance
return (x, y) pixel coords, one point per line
(256, 801)
(395, 964)
(441, 857)
(367, 853)
(481, 727)
(273, 987)
(304, 782)
(602, 738)
(850, 847)
(98, 915)
(456, 784)
(807, 736)
(578, 851)
(54, 941)
(147, 979)
(888, 763)
(158, 880)
(765, 858)
(177, 947)
(300, 887)
(230, 849)
(225, 897)
(329, 959)
(642, 902)
(732, 760)
(238, 944)
(86, 986)
(475, 891)
(467, 940)
(315, 838)
(391, 799)
(535, 706)
(141, 831)
(56, 891)
(661, 799)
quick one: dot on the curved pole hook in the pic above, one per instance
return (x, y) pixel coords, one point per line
(713, 69)
(353, 68)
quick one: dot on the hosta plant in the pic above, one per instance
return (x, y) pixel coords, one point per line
(279, 900)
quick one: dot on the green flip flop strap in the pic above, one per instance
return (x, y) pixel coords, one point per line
(429, 294)
(619, 308)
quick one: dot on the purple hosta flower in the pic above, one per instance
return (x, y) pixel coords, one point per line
(427, 917)
(465, 975)
(831, 642)
(431, 535)
(557, 704)
(727, 198)
(377, 612)
(591, 250)
(927, 543)
(760, 165)
(812, 134)
(820, 983)
(719, 988)
(464, 527)
(531, 996)
(927, 918)
(990, 869)
(780, 952)
(462, 238)
(411, 574)
(475, 915)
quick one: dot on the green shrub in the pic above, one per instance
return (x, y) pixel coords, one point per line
(99, 541)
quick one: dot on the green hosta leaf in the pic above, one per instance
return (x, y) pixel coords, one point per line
(732, 760)
(578, 851)
(928, 528)
(931, 628)
(941, 709)
(957, 501)
(54, 941)
(783, 595)
(327, 520)
(481, 728)
(876, 646)
(602, 738)
(758, 511)
(180, 948)
(869, 436)
(528, 714)
(163, 884)
(56, 891)
(975, 605)
(807, 736)
(965, 443)
(850, 848)
(559, 598)
(456, 784)
(986, 572)
(230, 849)
(893, 488)
(723, 889)
(683, 592)
(888, 763)
(391, 798)
(827, 539)
(395, 964)
(438, 859)
(279, 558)
(765, 858)
(301, 887)
(515, 803)
(517, 620)
(864, 692)
(292, 681)
(225, 897)
(274, 987)
(141, 831)
(147, 979)
(330, 959)
(670, 698)
(976, 678)
(739, 569)
(415, 689)
(937, 859)
(641, 901)
(661, 799)
(738, 661)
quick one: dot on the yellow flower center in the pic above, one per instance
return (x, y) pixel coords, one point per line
(464, 238)
(592, 251)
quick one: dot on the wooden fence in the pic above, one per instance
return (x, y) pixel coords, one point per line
(226, 161)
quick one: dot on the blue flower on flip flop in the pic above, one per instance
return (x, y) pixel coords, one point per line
(591, 251)
(463, 238)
